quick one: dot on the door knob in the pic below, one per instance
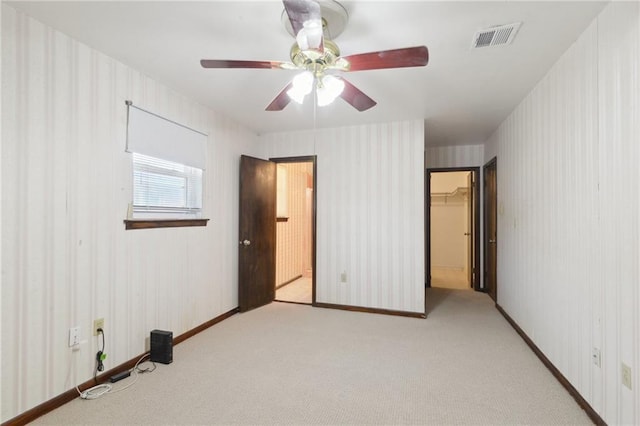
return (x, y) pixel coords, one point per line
(492, 241)
(245, 243)
(467, 233)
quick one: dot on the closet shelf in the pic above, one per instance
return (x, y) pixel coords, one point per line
(461, 193)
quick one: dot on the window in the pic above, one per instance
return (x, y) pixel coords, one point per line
(164, 189)
(168, 162)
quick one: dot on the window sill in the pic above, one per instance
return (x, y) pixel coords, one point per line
(162, 223)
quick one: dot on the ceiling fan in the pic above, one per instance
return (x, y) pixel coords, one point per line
(319, 58)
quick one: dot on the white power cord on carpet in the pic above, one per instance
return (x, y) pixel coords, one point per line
(105, 388)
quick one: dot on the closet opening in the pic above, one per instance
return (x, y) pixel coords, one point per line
(453, 226)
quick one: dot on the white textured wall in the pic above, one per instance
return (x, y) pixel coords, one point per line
(455, 156)
(370, 211)
(568, 201)
(66, 183)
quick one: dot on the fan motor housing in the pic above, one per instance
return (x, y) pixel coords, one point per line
(312, 59)
(334, 18)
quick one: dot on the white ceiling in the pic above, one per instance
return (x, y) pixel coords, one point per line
(462, 94)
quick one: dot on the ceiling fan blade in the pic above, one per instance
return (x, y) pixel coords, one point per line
(355, 97)
(396, 58)
(222, 63)
(306, 21)
(280, 101)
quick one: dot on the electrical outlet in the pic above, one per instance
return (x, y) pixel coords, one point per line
(596, 357)
(74, 336)
(626, 375)
(343, 277)
(98, 323)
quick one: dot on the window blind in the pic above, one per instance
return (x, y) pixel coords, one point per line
(158, 137)
(164, 188)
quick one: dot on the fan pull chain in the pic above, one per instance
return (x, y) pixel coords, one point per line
(315, 115)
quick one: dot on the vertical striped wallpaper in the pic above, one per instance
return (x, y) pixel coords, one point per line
(66, 184)
(293, 243)
(568, 205)
(455, 156)
(618, 159)
(370, 211)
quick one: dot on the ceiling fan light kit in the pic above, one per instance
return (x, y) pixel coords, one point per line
(313, 23)
(328, 89)
(302, 86)
(310, 36)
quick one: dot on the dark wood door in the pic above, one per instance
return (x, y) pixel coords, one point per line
(491, 228)
(257, 243)
(470, 231)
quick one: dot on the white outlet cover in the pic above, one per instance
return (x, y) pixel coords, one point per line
(74, 336)
(596, 357)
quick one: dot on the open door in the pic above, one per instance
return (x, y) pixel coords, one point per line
(257, 248)
(490, 230)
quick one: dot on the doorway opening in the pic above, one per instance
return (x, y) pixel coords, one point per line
(453, 226)
(295, 230)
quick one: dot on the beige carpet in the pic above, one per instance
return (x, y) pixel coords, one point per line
(295, 364)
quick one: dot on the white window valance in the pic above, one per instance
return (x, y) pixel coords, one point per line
(155, 136)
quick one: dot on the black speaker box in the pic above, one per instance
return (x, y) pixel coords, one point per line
(161, 346)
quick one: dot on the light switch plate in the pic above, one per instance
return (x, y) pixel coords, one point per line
(74, 336)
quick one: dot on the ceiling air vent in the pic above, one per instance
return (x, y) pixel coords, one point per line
(495, 36)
